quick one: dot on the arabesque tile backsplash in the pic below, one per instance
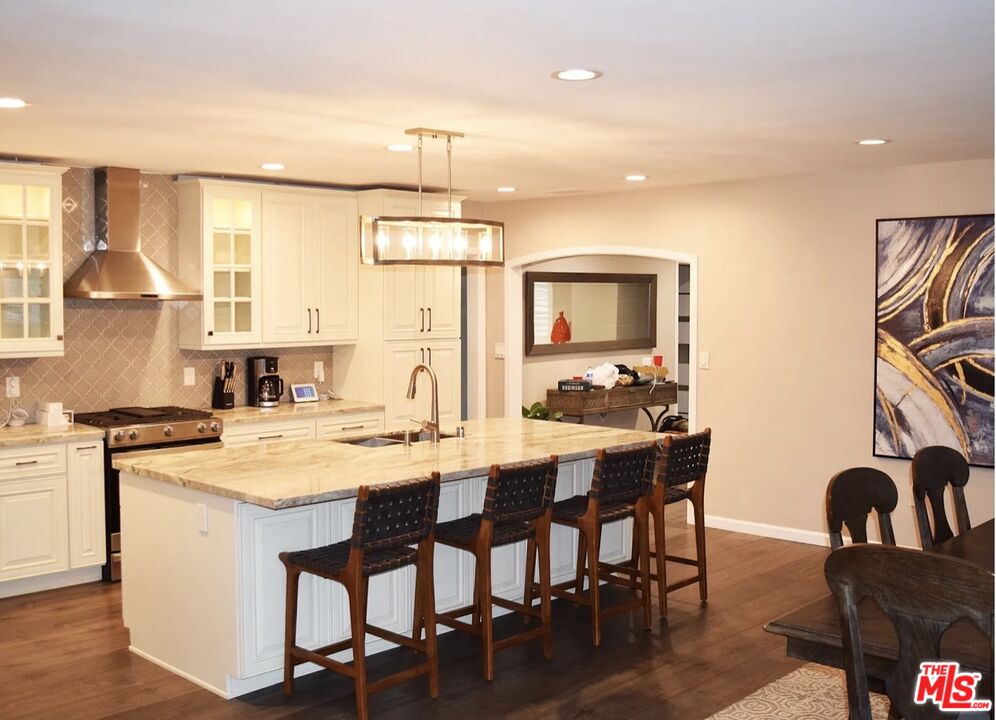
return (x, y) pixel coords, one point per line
(126, 352)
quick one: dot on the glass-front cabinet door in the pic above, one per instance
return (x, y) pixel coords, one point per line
(30, 261)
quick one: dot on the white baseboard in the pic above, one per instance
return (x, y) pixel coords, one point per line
(779, 532)
(51, 581)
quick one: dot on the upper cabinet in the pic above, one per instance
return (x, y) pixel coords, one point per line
(278, 267)
(30, 261)
(221, 254)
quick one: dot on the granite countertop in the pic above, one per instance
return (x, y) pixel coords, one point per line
(288, 474)
(41, 434)
(290, 411)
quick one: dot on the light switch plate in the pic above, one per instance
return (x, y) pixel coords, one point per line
(499, 351)
(13, 386)
(704, 360)
(189, 378)
(202, 518)
(319, 371)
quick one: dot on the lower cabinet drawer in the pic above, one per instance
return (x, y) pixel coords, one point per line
(349, 425)
(269, 432)
(33, 461)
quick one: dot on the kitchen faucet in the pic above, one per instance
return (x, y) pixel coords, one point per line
(432, 424)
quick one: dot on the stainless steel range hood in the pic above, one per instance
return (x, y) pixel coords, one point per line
(122, 271)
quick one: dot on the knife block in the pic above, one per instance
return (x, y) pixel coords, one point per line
(221, 400)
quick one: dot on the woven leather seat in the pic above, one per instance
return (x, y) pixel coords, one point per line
(465, 530)
(331, 559)
(573, 508)
(676, 494)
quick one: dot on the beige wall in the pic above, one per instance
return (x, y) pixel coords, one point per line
(540, 372)
(786, 309)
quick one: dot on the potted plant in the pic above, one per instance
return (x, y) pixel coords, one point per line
(539, 411)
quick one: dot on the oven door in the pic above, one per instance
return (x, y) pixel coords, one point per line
(111, 571)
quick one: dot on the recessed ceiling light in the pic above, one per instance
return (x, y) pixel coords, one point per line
(12, 103)
(576, 74)
(400, 147)
(272, 166)
(872, 141)
(636, 178)
(505, 188)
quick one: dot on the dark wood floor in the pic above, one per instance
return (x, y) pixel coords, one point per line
(64, 654)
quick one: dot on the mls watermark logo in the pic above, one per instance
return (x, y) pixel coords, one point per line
(951, 690)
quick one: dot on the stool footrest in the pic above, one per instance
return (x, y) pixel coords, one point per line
(449, 621)
(682, 560)
(622, 608)
(299, 653)
(398, 677)
(519, 638)
(683, 583)
(334, 647)
(394, 637)
(515, 607)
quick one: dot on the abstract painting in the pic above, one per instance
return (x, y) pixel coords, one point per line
(934, 336)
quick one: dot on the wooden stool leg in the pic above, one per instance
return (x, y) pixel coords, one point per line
(418, 617)
(358, 621)
(591, 543)
(476, 616)
(487, 629)
(527, 595)
(658, 514)
(543, 540)
(290, 629)
(700, 544)
(427, 570)
(641, 525)
(582, 554)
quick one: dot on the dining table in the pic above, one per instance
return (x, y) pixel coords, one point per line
(813, 631)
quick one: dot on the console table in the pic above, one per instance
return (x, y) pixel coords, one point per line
(602, 401)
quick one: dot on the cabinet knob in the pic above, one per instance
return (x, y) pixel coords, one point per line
(210, 333)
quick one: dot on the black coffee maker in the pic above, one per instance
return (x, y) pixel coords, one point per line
(265, 386)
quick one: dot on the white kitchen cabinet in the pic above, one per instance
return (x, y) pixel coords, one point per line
(343, 425)
(264, 535)
(310, 269)
(400, 357)
(33, 527)
(264, 432)
(421, 302)
(85, 488)
(221, 255)
(31, 322)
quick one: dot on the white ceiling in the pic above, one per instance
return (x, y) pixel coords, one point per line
(694, 90)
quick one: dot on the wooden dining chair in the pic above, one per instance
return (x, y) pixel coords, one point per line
(933, 469)
(388, 520)
(851, 495)
(517, 507)
(620, 488)
(922, 594)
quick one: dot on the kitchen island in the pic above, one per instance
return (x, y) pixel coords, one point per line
(203, 589)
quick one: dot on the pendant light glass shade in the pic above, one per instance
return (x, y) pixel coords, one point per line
(431, 241)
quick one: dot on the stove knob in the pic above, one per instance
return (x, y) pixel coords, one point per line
(201, 428)
(133, 435)
(119, 436)
(168, 431)
(215, 427)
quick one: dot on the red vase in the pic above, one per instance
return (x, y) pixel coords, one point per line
(561, 332)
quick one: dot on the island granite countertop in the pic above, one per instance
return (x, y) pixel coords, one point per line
(292, 411)
(289, 474)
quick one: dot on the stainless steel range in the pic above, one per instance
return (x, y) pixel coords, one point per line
(141, 428)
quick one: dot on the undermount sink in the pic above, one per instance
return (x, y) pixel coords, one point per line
(394, 438)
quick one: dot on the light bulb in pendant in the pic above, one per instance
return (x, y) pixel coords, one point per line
(435, 244)
(460, 245)
(484, 245)
(383, 243)
(408, 243)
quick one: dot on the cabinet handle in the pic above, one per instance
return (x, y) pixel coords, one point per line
(88, 447)
(421, 312)
(422, 350)
(430, 357)
(430, 319)
(270, 437)
(309, 321)
(318, 321)
(210, 333)
(27, 462)
(353, 427)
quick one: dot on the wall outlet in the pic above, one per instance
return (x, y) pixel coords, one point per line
(704, 360)
(13, 386)
(499, 351)
(202, 518)
(319, 371)
(189, 378)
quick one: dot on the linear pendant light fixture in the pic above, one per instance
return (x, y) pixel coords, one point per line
(430, 240)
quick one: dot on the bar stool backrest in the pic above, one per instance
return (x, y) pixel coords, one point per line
(623, 474)
(520, 492)
(395, 514)
(933, 469)
(684, 458)
(851, 495)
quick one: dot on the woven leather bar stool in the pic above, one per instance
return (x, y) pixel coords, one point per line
(517, 507)
(388, 519)
(620, 489)
(683, 460)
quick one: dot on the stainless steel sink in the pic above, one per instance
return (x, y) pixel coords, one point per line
(394, 438)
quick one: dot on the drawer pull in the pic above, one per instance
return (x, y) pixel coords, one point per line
(27, 462)
(270, 437)
(353, 427)
(88, 447)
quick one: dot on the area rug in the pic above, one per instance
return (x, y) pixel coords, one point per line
(812, 691)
